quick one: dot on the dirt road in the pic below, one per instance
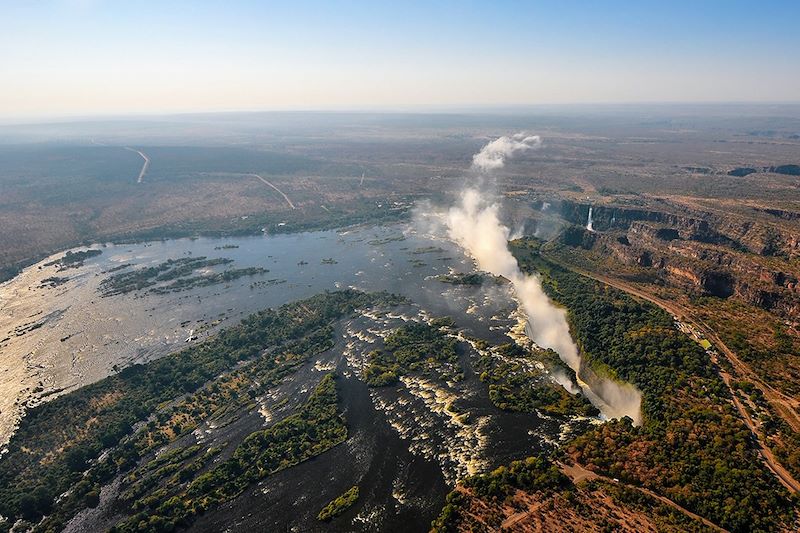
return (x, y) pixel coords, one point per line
(578, 473)
(145, 166)
(277, 189)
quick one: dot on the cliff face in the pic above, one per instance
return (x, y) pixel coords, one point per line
(734, 231)
(723, 258)
(605, 218)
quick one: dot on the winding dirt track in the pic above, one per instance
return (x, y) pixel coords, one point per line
(274, 187)
(776, 398)
(578, 473)
(145, 166)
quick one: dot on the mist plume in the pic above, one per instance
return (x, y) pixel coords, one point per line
(494, 154)
(474, 224)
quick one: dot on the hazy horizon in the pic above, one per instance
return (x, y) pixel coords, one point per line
(584, 109)
(68, 58)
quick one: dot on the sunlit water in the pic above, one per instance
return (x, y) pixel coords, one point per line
(410, 442)
(83, 336)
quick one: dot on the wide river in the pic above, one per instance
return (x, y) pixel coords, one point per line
(54, 339)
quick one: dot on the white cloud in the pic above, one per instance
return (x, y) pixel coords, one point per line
(494, 155)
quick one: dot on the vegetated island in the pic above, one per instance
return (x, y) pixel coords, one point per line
(472, 278)
(73, 259)
(174, 275)
(339, 505)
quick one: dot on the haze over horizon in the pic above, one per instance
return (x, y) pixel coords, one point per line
(98, 57)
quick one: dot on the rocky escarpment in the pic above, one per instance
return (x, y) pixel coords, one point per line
(605, 218)
(701, 267)
(780, 213)
(735, 232)
(680, 262)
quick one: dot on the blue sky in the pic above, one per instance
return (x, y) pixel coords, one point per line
(102, 56)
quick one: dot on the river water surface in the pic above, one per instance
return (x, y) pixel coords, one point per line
(54, 339)
(408, 444)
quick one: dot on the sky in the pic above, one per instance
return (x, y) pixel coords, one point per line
(95, 57)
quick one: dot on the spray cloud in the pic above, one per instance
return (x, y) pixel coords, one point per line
(494, 155)
(474, 224)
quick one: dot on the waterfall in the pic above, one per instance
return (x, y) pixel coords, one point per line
(589, 220)
(474, 224)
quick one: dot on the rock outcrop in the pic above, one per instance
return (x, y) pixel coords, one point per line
(722, 257)
(735, 232)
